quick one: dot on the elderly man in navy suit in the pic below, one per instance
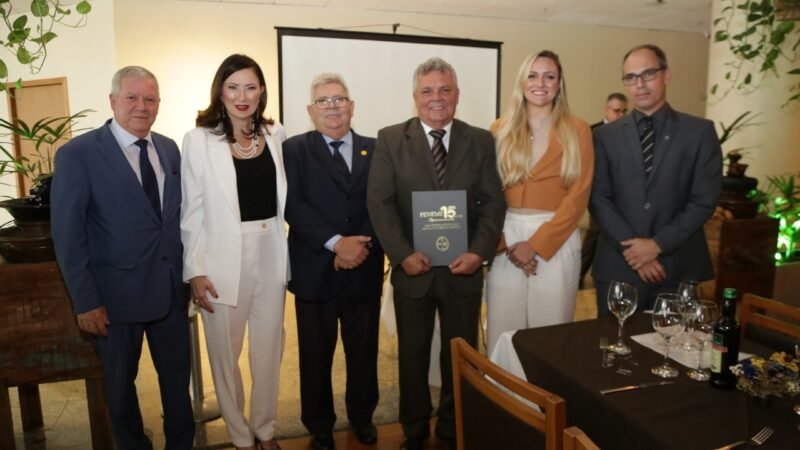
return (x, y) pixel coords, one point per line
(337, 263)
(657, 178)
(115, 224)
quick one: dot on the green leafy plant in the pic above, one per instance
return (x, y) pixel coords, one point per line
(30, 32)
(46, 135)
(781, 200)
(758, 40)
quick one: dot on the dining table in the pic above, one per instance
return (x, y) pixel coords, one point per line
(685, 415)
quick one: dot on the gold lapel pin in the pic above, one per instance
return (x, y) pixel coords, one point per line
(363, 152)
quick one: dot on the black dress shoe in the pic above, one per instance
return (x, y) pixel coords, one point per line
(366, 433)
(412, 443)
(322, 441)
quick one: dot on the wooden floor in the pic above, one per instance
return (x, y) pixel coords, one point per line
(390, 437)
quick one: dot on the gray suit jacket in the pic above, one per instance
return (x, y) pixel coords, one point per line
(403, 163)
(670, 206)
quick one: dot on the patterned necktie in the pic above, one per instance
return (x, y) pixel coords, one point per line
(149, 182)
(338, 159)
(439, 154)
(647, 138)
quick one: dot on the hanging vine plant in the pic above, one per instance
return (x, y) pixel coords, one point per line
(760, 35)
(29, 32)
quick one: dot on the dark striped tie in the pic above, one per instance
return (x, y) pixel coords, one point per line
(341, 164)
(648, 140)
(149, 182)
(439, 154)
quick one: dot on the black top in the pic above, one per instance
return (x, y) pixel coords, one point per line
(256, 184)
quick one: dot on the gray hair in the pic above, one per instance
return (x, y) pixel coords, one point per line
(328, 78)
(129, 71)
(434, 64)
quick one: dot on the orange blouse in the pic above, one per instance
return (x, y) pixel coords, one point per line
(543, 190)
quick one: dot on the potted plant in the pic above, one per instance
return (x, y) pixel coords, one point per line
(781, 201)
(760, 34)
(28, 239)
(735, 185)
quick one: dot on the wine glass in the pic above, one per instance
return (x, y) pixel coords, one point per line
(690, 292)
(622, 299)
(667, 321)
(706, 314)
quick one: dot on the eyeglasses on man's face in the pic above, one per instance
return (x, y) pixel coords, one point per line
(330, 102)
(629, 79)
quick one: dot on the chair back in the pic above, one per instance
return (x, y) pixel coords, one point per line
(769, 322)
(495, 409)
(576, 439)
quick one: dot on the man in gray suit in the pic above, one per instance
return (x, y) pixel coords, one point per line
(404, 163)
(656, 182)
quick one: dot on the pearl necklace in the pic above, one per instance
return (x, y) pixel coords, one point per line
(249, 152)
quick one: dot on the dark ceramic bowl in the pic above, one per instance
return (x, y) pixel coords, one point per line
(18, 245)
(23, 210)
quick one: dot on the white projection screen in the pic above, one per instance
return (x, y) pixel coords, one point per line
(378, 69)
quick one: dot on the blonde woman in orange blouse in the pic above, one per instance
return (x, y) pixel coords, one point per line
(546, 161)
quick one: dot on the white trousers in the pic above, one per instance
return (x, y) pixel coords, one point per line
(515, 301)
(260, 309)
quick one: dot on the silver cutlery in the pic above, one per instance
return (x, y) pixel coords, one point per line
(758, 439)
(633, 387)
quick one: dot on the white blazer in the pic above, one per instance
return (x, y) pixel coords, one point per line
(210, 217)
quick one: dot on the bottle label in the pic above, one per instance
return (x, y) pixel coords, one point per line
(718, 351)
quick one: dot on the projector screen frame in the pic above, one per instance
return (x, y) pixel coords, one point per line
(384, 37)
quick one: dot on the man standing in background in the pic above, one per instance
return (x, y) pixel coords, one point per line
(616, 107)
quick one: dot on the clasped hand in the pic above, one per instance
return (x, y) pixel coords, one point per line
(351, 252)
(523, 256)
(641, 254)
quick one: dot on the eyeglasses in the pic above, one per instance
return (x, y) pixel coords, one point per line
(629, 79)
(330, 102)
(618, 110)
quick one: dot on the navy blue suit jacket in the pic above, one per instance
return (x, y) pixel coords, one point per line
(320, 203)
(112, 247)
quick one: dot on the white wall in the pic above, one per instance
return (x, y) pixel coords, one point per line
(183, 42)
(772, 148)
(86, 56)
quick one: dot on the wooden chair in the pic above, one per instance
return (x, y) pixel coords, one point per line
(576, 439)
(769, 322)
(491, 407)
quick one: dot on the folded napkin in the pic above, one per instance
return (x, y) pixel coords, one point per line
(655, 342)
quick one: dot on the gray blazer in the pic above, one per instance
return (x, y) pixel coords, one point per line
(403, 163)
(670, 206)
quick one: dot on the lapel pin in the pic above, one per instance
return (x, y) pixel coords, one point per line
(364, 152)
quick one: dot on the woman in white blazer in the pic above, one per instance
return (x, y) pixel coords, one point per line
(235, 251)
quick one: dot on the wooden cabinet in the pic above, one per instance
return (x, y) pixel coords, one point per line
(41, 343)
(743, 254)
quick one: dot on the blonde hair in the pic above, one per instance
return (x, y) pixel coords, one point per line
(513, 130)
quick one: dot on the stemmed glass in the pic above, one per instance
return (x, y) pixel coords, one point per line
(690, 292)
(706, 314)
(622, 299)
(667, 321)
